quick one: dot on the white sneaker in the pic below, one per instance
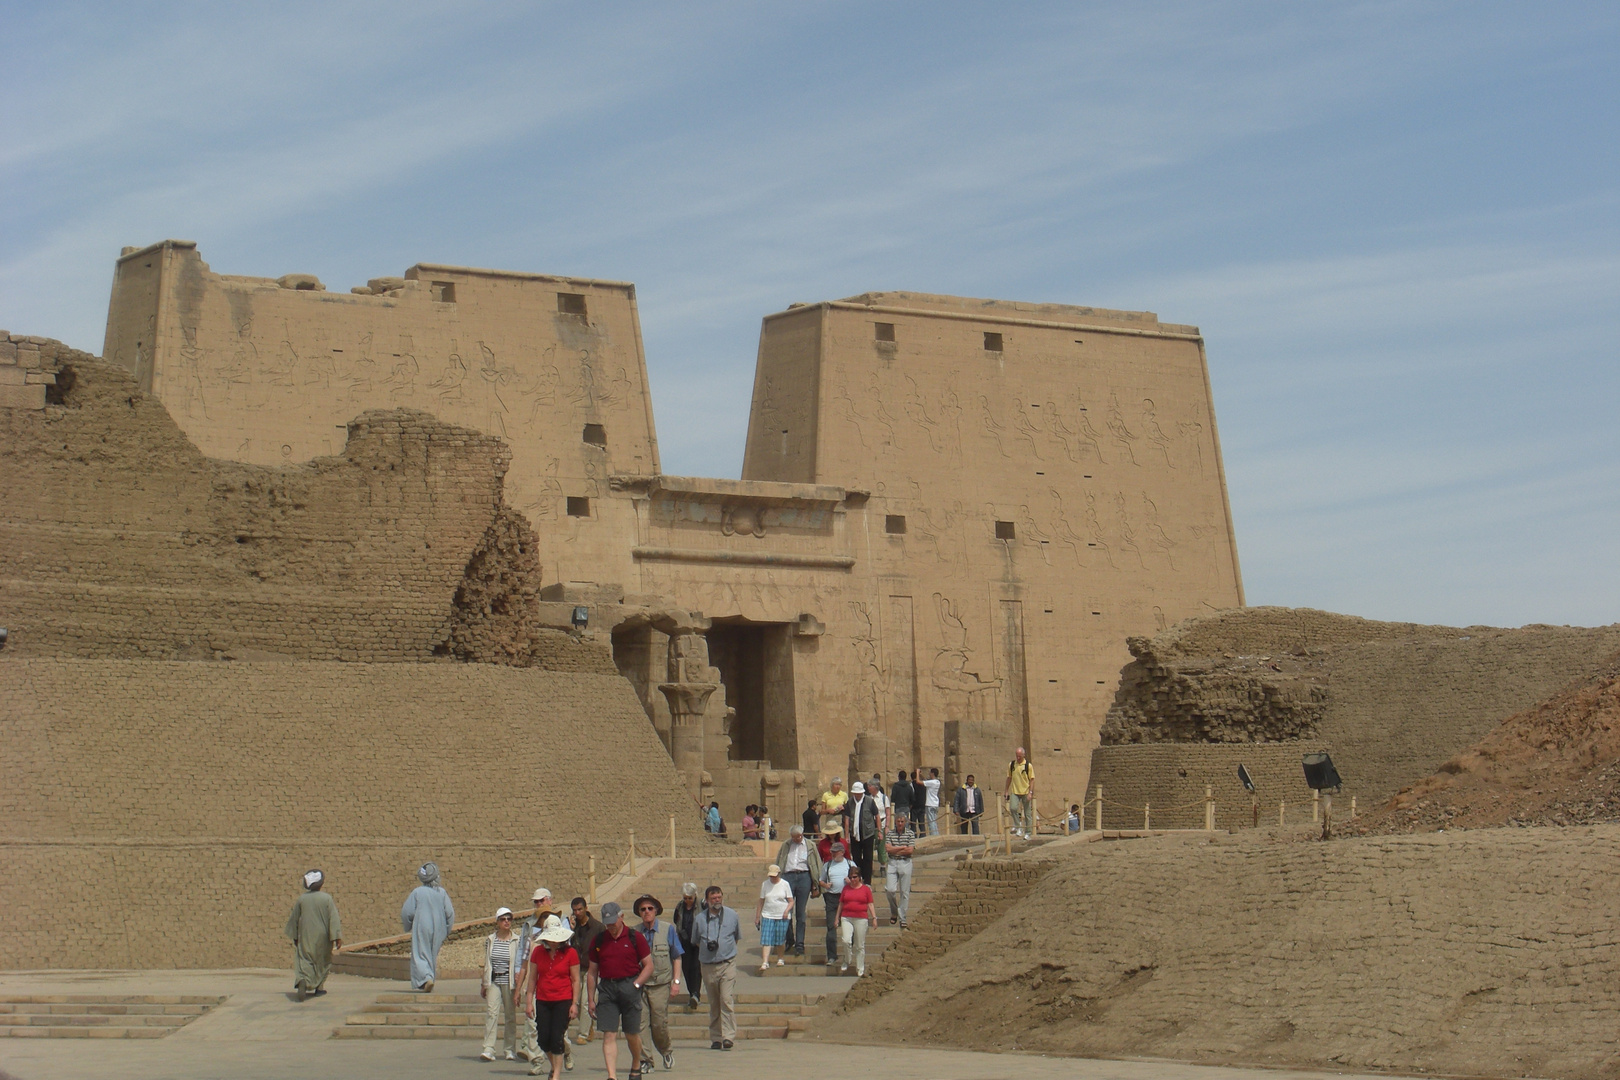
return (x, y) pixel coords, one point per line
(486, 1056)
(511, 1055)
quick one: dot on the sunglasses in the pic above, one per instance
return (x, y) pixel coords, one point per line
(503, 918)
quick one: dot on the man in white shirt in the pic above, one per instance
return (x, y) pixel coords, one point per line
(932, 803)
(801, 869)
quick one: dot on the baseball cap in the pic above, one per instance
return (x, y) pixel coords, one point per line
(541, 894)
(500, 911)
(611, 912)
(773, 870)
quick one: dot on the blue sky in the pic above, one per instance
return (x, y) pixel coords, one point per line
(1395, 223)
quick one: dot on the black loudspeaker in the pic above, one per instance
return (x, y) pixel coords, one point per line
(1245, 778)
(1320, 773)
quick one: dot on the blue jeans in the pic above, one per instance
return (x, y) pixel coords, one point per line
(933, 821)
(799, 882)
(831, 899)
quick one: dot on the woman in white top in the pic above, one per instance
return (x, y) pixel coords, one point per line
(773, 915)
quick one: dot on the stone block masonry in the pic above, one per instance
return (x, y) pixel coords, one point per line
(1484, 952)
(166, 810)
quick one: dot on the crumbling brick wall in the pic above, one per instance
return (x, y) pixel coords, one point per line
(1391, 700)
(118, 538)
(166, 810)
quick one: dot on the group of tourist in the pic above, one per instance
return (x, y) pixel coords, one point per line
(545, 967)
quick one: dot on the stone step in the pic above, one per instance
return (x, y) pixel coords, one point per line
(84, 1016)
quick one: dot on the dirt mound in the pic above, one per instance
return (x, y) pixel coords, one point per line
(1487, 952)
(1557, 763)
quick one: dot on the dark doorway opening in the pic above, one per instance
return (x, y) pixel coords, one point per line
(756, 668)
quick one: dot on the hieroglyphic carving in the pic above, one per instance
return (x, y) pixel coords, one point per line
(1065, 531)
(1027, 429)
(1123, 435)
(1157, 538)
(1031, 533)
(874, 678)
(1085, 432)
(950, 668)
(880, 412)
(1127, 533)
(1095, 529)
(1191, 431)
(853, 415)
(992, 426)
(1155, 434)
(950, 411)
(916, 409)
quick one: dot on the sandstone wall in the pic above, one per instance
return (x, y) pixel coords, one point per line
(1481, 952)
(1171, 778)
(119, 538)
(1391, 701)
(166, 810)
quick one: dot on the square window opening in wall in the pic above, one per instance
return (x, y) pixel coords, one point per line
(894, 523)
(1005, 531)
(595, 434)
(444, 291)
(883, 331)
(571, 303)
(579, 506)
(992, 342)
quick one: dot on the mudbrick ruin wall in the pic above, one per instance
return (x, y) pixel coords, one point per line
(1390, 701)
(165, 810)
(1488, 952)
(180, 741)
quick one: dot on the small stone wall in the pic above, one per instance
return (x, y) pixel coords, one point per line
(1171, 777)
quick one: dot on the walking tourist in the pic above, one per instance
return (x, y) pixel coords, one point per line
(874, 790)
(619, 961)
(315, 931)
(811, 819)
(833, 834)
(801, 869)
(918, 811)
(528, 932)
(832, 802)
(902, 845)
(900, 793)
(587, 928)
(856, 913)
(1020, 791)
(665, 980)
(718, 933)
(427, 916)
(685, 919)
(834, 874)
(930, 805)
(861, 827)
(773, 915)
(551, 993)
(969, 807)
(499, 985)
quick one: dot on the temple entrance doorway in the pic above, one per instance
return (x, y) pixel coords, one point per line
(755, 660)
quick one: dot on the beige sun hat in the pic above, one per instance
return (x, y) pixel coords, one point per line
(556, 931)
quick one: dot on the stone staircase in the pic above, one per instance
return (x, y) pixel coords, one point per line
(461, 1016)
(761, 1014)
(99, 1016)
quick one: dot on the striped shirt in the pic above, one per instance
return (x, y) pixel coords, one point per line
(500, 959)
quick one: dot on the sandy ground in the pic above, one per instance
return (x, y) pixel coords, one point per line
(260, 1034)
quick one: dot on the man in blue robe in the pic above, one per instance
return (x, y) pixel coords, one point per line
(428, 915)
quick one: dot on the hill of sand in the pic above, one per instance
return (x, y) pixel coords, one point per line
(1492, 952)
(1557, 763)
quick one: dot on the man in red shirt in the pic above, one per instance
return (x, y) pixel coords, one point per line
(620, 963)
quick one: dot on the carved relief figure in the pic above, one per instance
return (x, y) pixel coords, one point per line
(880, 411)
(191, 376)
(541, 389)
(1127, 534)
(1157, 538)
(544, 505)
(950, 668)
(284, 372)
(917, 411)
(1065, 531)
(1191, 431)
(992, 426)
(1095, 529)
(449, 384)
(1123, 436)
(1026, 427)
(1156, 435)
(853, 415)
(875, 680)
(1087, 433)
(950, 411)
(1033, 533)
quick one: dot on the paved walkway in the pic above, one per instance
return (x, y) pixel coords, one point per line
(262, 1034)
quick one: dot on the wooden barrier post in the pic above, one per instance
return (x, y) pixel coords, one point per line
(1280, 806)
(1000, 825)
(1099, 808)
(591, 875)
(1352, 808)
(1316, 806)
(1147, 817)
(672, 836)
(632, 853)
(1034, 822)
(1209, 808)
